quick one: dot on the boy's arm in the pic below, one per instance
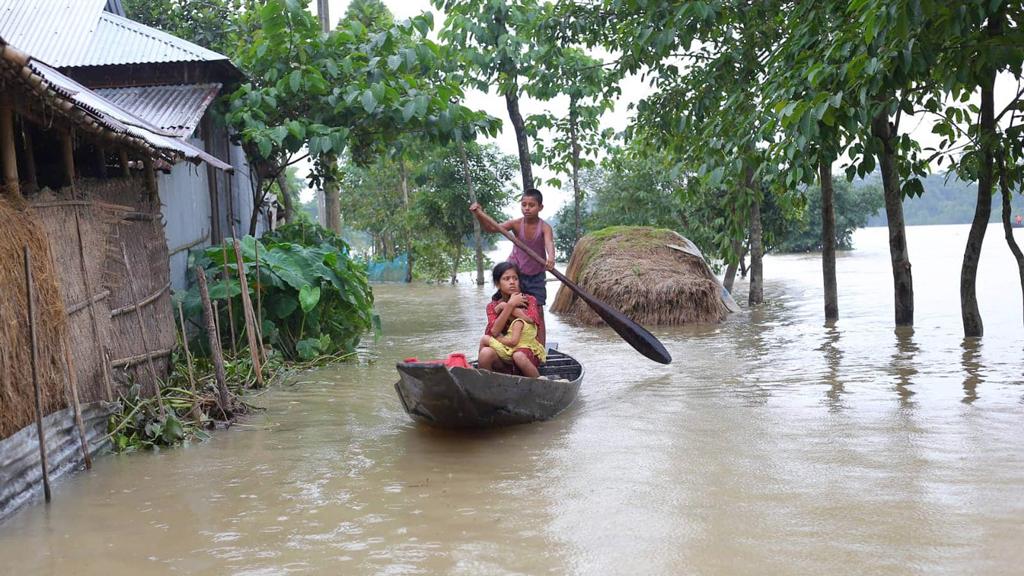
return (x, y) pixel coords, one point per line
(509, 225)
(549, 246)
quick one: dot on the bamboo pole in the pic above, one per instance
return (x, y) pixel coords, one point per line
(147, 164)
(216, 319)
(142, 331)
(215, 346)
(188, 354)
(259, 304)
(101, 161)
(10, 157)
(35, 371)
(227, 283)
(250, 329)
(72, 377)
(126, 170)
(92, 311)
(68, 152)
(30, 157)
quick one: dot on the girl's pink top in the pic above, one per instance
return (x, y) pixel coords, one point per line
(528, 266)
(532, 310)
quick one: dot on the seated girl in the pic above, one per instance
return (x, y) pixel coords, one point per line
(510, 340)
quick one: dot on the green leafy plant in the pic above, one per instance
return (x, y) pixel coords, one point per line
(314, 297)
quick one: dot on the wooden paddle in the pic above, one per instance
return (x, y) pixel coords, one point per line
(636, 335)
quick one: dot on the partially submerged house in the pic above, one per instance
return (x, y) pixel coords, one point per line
(113, 169)
(169, 83)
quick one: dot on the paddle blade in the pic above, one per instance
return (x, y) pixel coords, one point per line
(634, 334)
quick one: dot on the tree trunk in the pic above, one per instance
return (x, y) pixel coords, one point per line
(332, 200)
(1008, 228)
(730, 271)
(969, 312)
(576, 196)
(512, 102)
(257, 204)
(286, 197)
(756, 294)
(458, 260)
(828, 242)
(477, 239)
(903, 282)
(409, 259)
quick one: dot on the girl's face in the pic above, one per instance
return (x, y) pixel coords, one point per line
(508, 284)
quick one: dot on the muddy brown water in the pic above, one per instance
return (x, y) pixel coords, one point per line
(772, 445)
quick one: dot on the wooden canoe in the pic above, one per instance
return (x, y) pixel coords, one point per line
(471, 398)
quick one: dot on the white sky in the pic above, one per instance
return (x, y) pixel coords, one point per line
(633, 90)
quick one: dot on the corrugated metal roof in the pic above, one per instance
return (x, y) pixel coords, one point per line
(118, 40)
(54, 31)
(116, 119)
(73, 33)
(175, 109)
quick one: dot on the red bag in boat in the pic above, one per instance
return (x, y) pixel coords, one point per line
(454, 360)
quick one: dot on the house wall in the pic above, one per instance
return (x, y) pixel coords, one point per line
(188, 210)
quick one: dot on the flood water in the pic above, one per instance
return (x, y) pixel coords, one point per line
(772, 445)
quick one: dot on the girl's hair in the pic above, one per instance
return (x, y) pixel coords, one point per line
(498, 272)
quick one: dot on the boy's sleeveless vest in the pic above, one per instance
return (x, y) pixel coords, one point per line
(527, 266)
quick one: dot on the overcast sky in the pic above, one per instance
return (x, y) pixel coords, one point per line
(633, 90)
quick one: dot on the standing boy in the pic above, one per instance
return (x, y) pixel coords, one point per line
(536, 234)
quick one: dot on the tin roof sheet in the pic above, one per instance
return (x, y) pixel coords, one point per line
(73, 33)
(118, 40)
(51, 30)
(175, 109)
(115, 118)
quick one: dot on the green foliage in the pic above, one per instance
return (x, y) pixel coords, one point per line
(208, 23)
(435, 221)
(316, 299)
(853, 207)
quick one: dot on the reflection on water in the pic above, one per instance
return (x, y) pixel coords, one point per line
(773, 444)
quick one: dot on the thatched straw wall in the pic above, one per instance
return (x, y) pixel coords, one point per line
(654, 276)
(109, 212)
(20, 227)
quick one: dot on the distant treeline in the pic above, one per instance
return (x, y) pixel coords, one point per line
(945, 201)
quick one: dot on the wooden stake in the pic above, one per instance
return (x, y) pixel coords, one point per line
(10, 157)
(188, 355)
(92, 311)
(227, 283)
(250, 328)
(142, 330)
(69, 365)
(214, 339)
(35, 371)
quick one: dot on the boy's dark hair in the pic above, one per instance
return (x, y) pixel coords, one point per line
(498, 272)
(535, 194)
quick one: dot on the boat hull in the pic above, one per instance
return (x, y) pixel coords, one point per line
(471, 398)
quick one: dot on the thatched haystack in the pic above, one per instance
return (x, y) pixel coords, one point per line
(654, 276)
(17, 399)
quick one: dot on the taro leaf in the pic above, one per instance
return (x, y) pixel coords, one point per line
(173, 431)
(281, 305)
(220, 290)
(308, 348)
(292, 264)
(309, 296)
